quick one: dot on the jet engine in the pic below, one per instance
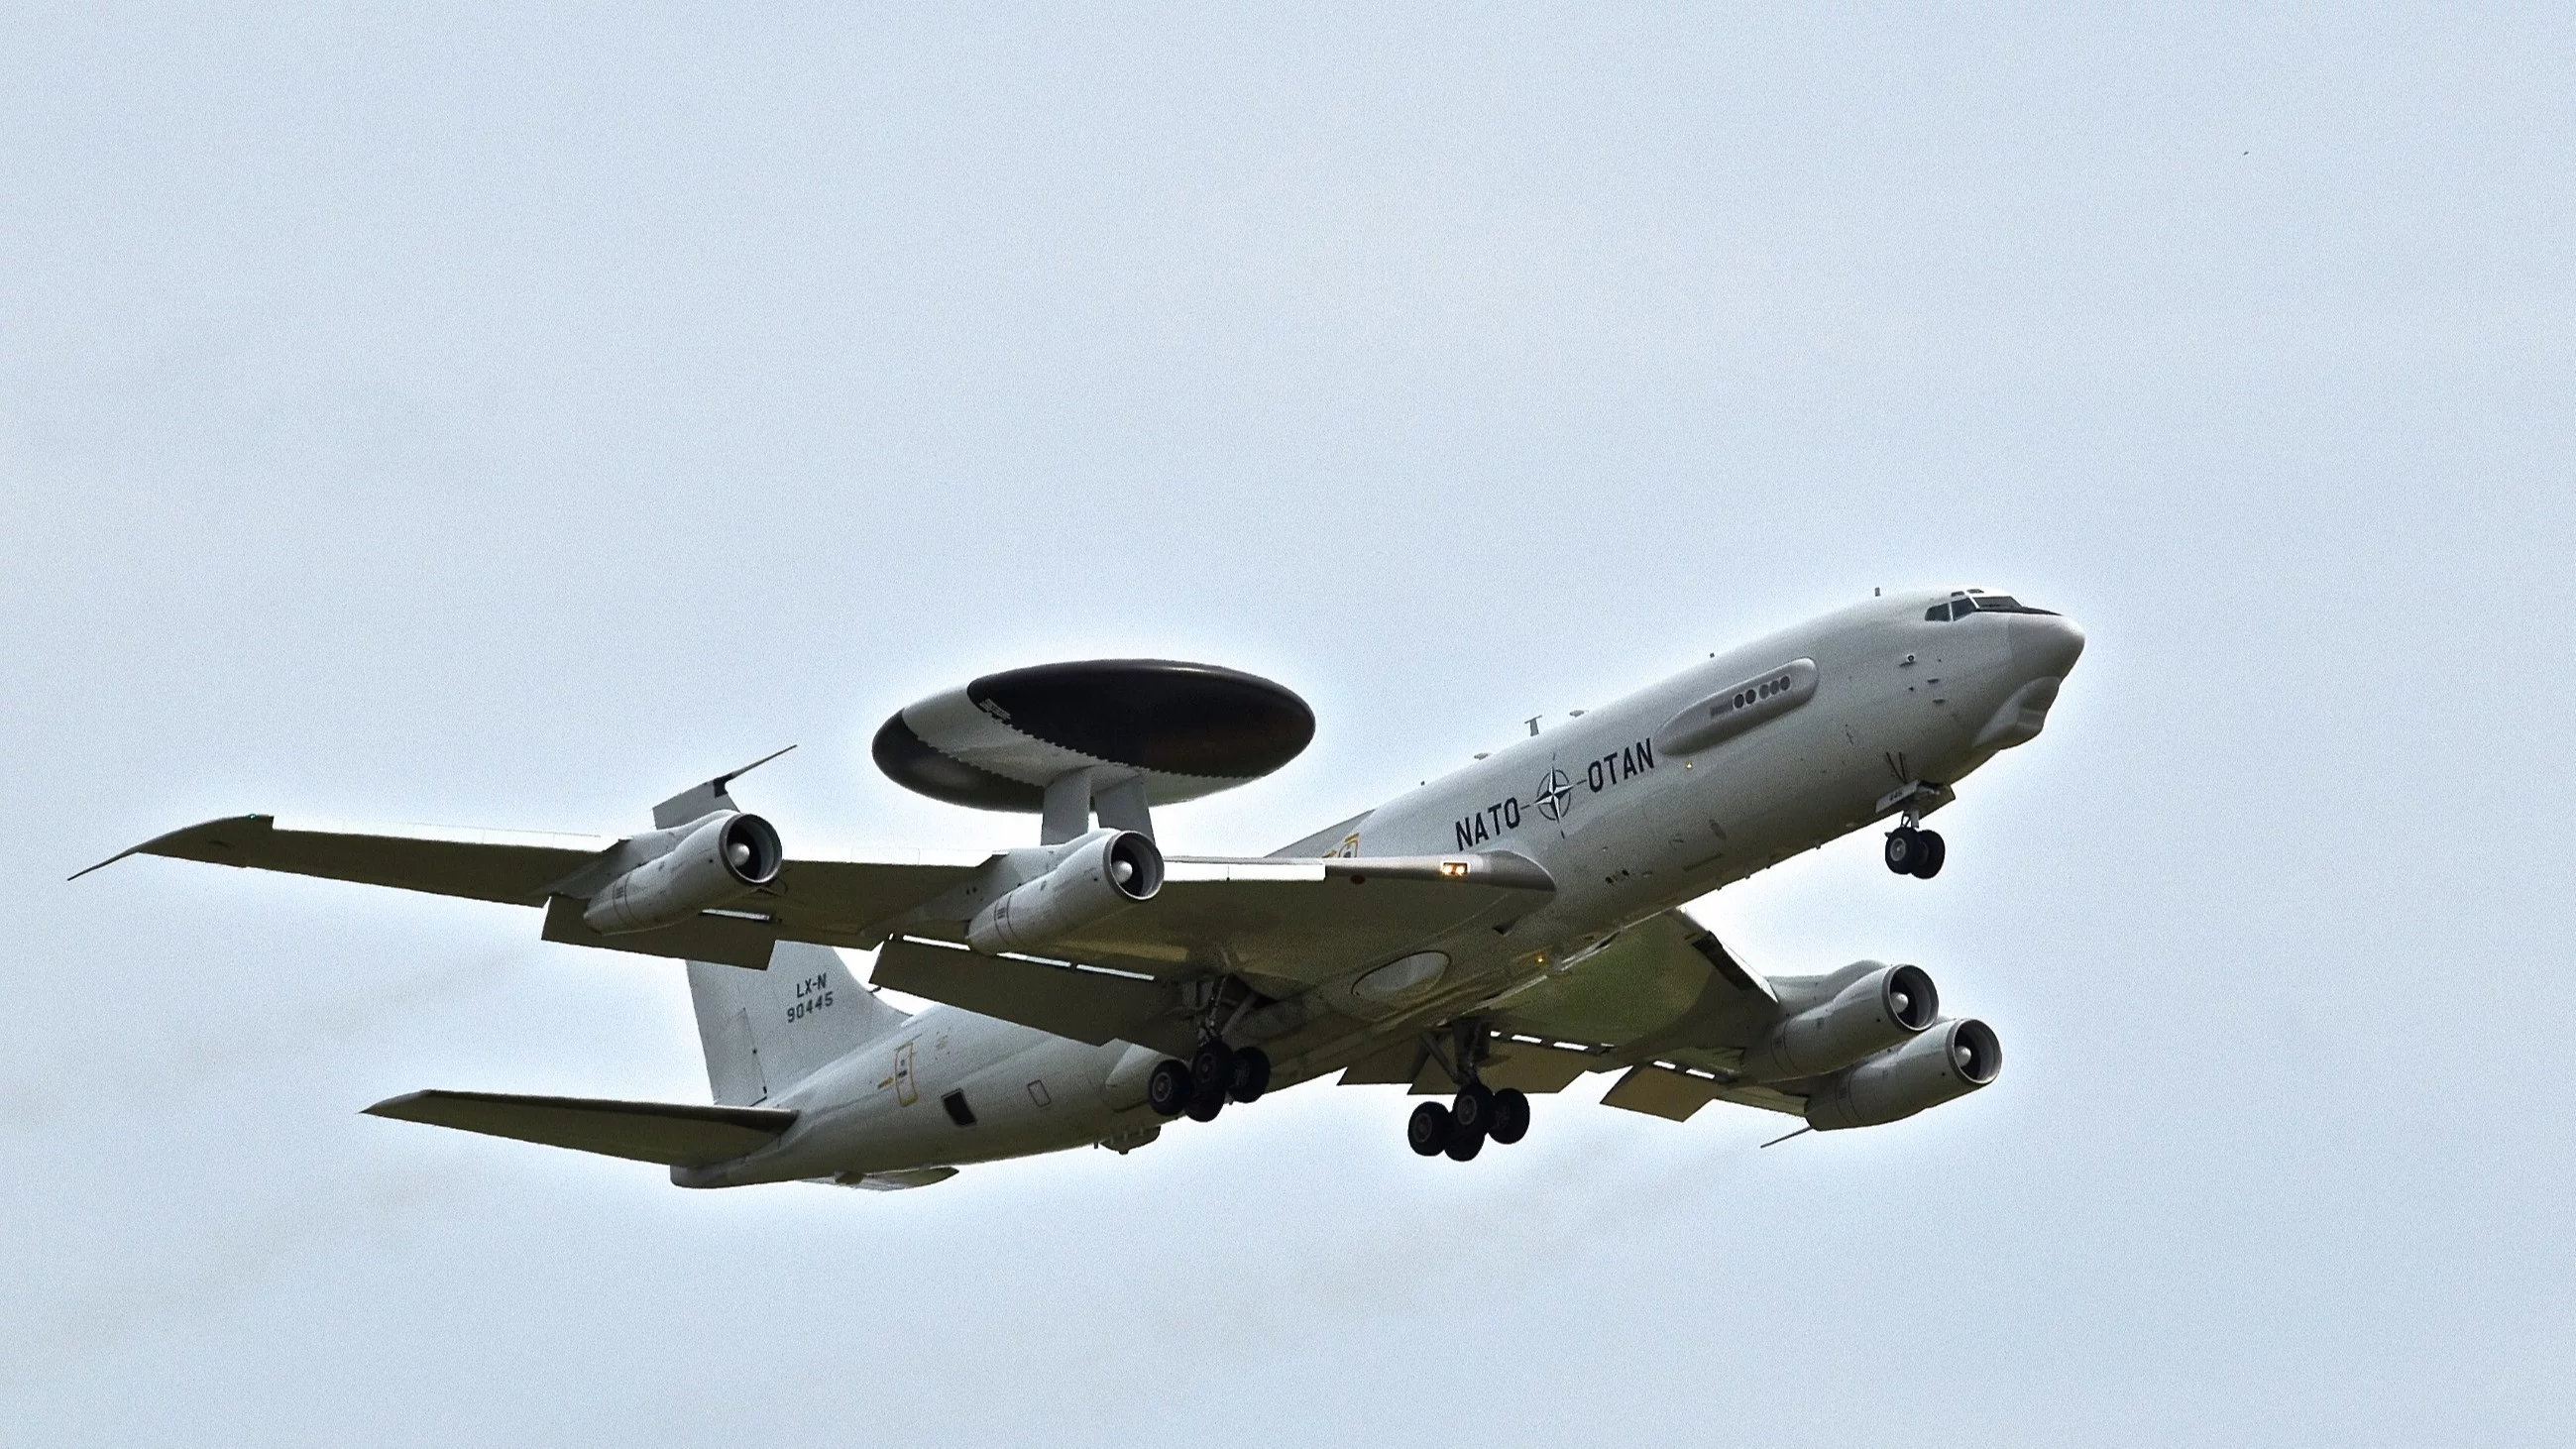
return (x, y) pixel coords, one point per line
(1949, 1061)
(1104, 872)
(720, 859)
(1870, 1015)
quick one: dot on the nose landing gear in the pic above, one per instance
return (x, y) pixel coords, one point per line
(1914, 851)
(1911, 849)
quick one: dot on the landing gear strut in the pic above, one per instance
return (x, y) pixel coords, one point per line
(1477, 1113)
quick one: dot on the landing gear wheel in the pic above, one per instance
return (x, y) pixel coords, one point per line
(1511, 1116)
(1205, 1106)
(1929, 852)
(1251, 1075)
(1168, 1091)
(1465, 1146)
(1429, 1129)
(1473, 1112)
(1904, 847)
(1212, 1067)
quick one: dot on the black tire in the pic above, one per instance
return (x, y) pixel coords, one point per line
(1465, 1146)
(1429, 1128)
(1929, 852)
(1169, 1090)
(1473, 1110)
(1205, 1105)
(1251, 1075)
(1903, 848)
(1511, 1116)
(1212, 1066)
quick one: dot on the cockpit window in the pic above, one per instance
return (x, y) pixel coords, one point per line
(1963, 605)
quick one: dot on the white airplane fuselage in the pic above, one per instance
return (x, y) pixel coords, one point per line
(1832, 721)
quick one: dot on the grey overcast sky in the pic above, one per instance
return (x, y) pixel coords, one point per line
(510, 415)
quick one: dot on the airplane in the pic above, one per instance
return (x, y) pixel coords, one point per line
(1497, 933)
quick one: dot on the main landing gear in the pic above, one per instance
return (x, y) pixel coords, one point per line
(1214, 1074)
(1461, 1128)
(1914, 851)
(1477, 1113)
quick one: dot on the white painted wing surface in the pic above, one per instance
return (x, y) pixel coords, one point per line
(514, 867)
(1283, 924)
(1664, 998)
(1289, 924)
(835, 902)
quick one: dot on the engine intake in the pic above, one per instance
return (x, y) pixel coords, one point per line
(1868, 1016)
(1950, 1061)
(720, 859)
(1108, 871)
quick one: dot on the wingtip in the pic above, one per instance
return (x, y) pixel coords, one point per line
(385, 1107)
(102, 865)
(730, 776)
(149, 847)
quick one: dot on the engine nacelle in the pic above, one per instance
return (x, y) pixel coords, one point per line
(1951, 1060)
(721, 859)
(1870, 1015)
(1108, 871)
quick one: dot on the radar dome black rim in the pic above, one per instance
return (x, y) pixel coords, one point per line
(1174, 721)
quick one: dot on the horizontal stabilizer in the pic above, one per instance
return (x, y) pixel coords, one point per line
(669, 1133)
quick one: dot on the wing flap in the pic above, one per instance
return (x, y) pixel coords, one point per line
(1661, 1092)
(1289, 923)
(673, 1134)
(1098, 1007)
(1395, 1064)
(736, 939)
(1536, 1068)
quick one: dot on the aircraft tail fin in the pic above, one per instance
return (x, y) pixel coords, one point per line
(765, 1031)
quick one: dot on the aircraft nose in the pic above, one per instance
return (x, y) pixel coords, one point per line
(2045, 646)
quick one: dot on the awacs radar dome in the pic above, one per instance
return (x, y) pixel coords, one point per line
(1181, 730)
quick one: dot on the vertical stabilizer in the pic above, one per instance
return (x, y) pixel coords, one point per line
(765, 1031)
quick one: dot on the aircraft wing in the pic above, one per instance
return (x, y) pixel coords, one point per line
(1293, 923)
(1665, 999)
(1069, 1001)
(668, 1133)
(484, 865)
(834, 900)
(1285, 925)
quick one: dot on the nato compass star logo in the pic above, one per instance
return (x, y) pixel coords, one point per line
(1555, 795)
